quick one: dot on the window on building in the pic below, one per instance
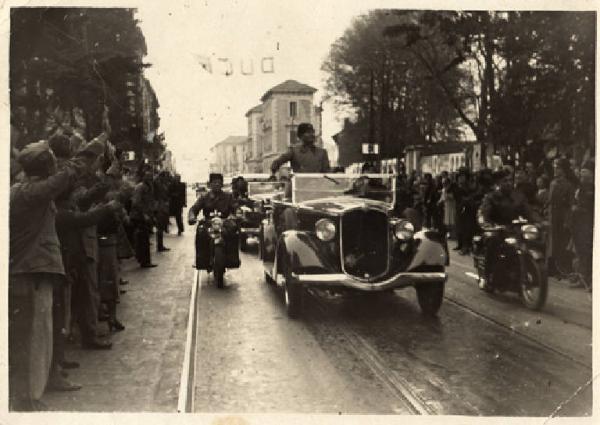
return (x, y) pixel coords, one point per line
(293, 109)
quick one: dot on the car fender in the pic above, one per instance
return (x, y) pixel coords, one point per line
(305, 252)
(427, 251)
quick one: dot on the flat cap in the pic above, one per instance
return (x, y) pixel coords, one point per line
(30, 152)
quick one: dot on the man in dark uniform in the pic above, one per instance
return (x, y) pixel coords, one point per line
(306, 158)
(142, 204)
(161, 205)
(222, 202)
(177, 201)
(500, 207)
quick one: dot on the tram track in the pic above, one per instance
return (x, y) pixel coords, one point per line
(516, 332)
(409, 396)
(396, 384)
(187, 383)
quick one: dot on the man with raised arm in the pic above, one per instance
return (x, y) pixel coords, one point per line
(305, 158)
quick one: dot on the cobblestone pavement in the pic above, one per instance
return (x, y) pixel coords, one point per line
(142, 370)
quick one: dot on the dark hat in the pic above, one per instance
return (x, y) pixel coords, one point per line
(30, 152)
(215, 176)
(60, 145)
(303, 128)
(36, 158)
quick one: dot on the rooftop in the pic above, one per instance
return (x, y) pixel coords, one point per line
(289, 87)
(233, 140)
(257, 108)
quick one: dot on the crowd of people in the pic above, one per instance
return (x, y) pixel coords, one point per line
(76, 212)
(560, 195)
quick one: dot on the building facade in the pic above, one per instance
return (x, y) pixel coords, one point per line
(229, 156)
(253, 159)
(272, 125)
(448, 156)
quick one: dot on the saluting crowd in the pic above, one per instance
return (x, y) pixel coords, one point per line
(76, 212)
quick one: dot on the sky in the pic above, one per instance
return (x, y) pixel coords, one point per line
(199, 109)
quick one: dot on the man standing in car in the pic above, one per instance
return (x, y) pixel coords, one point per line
(306, 158)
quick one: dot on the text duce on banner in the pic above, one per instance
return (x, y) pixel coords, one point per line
(225, 66)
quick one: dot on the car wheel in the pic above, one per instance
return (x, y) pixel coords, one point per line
(293, 293)
(430, 297)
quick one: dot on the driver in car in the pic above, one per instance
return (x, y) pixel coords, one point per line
(215, 200)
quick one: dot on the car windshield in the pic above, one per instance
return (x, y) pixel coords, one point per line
(379, 187)
(261, 188)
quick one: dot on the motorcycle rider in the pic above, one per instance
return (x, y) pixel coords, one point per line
(499, 208)
(215, 200)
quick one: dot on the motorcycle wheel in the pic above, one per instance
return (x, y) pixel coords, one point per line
(219, 264)
(534, 285)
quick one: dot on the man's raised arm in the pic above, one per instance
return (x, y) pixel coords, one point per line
(283, 158)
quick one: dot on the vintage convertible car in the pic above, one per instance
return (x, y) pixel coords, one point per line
(339, 232)
(261, 190)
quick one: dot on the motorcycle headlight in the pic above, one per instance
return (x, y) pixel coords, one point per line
(404, 230)
(216, 223)
(530, 232)
(325, 229)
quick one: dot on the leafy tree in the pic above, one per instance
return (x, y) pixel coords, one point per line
(62, 58)
(388, 86)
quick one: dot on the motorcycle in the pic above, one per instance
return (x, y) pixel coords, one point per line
(519, 261)
(218, 259)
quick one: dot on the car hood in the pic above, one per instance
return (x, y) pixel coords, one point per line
(341, 204)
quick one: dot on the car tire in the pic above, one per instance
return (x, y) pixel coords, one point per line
(430, 297)
(293, 292)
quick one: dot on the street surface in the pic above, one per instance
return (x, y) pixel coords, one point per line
(373, 354)
(484, 355)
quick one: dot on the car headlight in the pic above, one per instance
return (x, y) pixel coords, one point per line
(404, 230)
(325, 229)
(530, 232)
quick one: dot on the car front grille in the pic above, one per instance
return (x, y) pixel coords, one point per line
(365, 240)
